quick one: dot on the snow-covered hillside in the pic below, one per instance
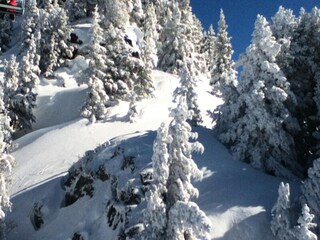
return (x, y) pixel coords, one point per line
(235, 197)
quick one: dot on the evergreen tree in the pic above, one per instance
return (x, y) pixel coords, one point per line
(305, 223)
(24, 99)
(303, 75)
(187, 90)
(185, 219)
(150, 38)
(6, 163)
(168, 50)
(5, 33)
(30, 24)
(224, 78)
(284, 24)
(10, 86)
(222, 62)
(281, 226)
(125, 71)
(54, 45)
(170, 214)
(180, 39)
(155, 216)
(95, 107)
(209, 49)
(258, 134)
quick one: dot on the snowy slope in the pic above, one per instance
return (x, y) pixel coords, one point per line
(235, 197)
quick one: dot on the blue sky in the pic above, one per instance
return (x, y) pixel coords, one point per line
(241, 15)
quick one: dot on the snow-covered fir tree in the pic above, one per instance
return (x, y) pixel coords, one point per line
(5, 33)
(305, 224)
(209, 48)
(179, 39)
(281, 225)
(284, 24)
(187, 89)
(150, 38)
(125, 69)
(30, 24)
(170, 213)
(258, 134)
(303, 74)
(155, 217)
(97, 101)
(6, 164)
(223, 77)
(78, 9)
(24, 99)
(54, 45)
(137, 14)
(10, 85)
(116, 12)
(222, 63)
(168, 50)
(185, 219)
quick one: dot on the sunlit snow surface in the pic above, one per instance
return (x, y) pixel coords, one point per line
(235, 197)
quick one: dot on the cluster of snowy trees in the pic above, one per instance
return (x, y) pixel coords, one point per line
(270, 115)
(170, 213)
(121, 70)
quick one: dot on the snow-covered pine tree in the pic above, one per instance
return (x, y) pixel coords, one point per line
(187, 89)
(116, 12)
(5, 33)
(223, 77)
(284, 24)
(30, 24)
(281, 225)
(137, 14)
(125, 69)
(222, 62)
(184, 218)
(179, 38)
(303, 74)
(10, 85)
(5, 121)
(150, 38)
(97, 101)
(78, 9)
(6, 164)
(168, 48)
(209, 48)
(305, 224)
(24, 99)
(55, 32)
(155, 216)
(258, 134)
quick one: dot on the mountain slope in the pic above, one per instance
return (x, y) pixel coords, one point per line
(236, 197)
